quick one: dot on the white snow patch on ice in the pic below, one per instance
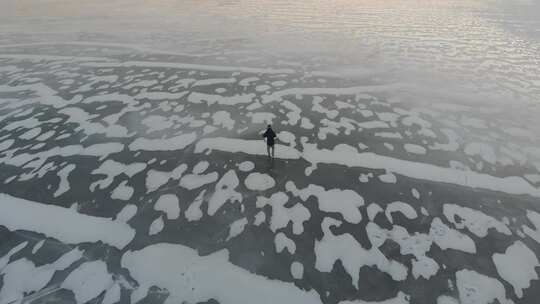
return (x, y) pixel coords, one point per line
(200, 280)
(446, 300)
(372, 210)
(223, 119)
(259, 181)
(401, 207)
(517, 266)
(281, 215)
(111, 169)
(155, 178)
(194, 212)
(476, 288)
(346, 202)
(38, 246)
(237, 227)
(415, 149)
(388, 177)
(88, 281)
(343, 154)
(448, 238)
(401, 298)
(63, 174)
(167, 144)
(297, 270)
(353, 256)
(415, 193)
(210, 99)
(224, 192)
(281, 242)
(30, 134)
(127, 213)
(156, 226)
(475, 221)
(483, 150)
(535, 219)
(113, 295)
(200, 167)
(19, 214)
(246, 166)
(122, 192)
(22, 276)
(169, 204)
(260, 218)
(253, 147)
(194, 181)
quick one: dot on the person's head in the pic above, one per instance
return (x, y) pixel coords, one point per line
(269, 127)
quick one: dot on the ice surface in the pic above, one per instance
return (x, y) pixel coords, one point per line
(517, 265)
(440, 119)
(205, 277)
(19, 214)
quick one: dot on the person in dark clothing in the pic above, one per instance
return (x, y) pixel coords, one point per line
(269, 135)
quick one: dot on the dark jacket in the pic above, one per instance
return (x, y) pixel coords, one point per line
(270, 135)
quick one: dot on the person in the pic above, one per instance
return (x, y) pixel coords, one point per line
(269, 135)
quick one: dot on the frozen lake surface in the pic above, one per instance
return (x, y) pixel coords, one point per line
(132, 168)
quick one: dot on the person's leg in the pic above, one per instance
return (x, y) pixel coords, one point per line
(272, 151)
(268, 150)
